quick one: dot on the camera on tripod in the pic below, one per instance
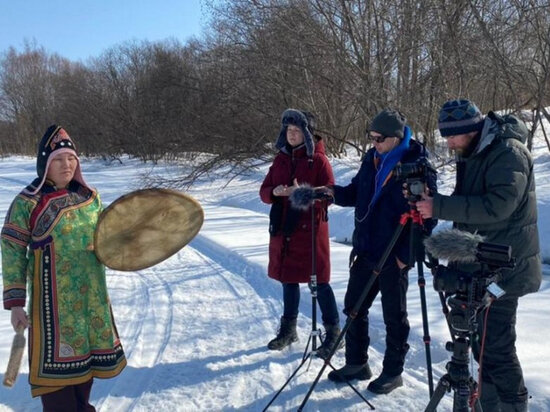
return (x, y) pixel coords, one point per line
(415, 175)
(473, 290)
(469, 285)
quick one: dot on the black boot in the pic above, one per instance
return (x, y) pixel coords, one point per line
(385, 383)
(350, 372)
(287, 335)
(332, 333)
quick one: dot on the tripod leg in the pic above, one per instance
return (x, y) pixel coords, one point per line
(304, 360)
(349, 319)
(305, 357)
(308, 394)
(425, 325)
(443, 386)
(354, 389)
(417, 249)
(306, 353)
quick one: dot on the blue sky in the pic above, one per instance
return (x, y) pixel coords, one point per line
(78, 29)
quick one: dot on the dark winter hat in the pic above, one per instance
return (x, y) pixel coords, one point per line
(55, 138)
(389, 123)
(55, 141)
(298, 119)
(459, 117)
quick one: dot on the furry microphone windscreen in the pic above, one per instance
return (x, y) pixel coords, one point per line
(16, 354)
(302, 197)
(454, 245)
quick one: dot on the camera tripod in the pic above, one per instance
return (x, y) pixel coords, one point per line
(414, 217)
(457, 378)
(461, 319)
(315, 332)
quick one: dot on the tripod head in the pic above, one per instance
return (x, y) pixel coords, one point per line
(458, 365)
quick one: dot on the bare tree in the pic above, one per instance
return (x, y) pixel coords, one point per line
(222, 96)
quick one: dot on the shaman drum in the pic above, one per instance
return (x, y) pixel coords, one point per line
(145, 227)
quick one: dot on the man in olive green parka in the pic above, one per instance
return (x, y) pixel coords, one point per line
(495, 197)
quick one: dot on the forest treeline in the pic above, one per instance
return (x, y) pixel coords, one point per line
(223, 93)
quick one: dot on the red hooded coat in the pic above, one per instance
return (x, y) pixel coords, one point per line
(290, 257)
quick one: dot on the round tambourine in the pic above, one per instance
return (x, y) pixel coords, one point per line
(145, 227)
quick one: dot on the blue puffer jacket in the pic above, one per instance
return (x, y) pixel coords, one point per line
(374, 228)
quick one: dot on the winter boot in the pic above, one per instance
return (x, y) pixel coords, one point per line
(385, 383)
(332, 333)
(350, 372)
(287, 335)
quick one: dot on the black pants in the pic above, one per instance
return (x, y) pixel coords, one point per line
(73, 398)
(392, 284)
(500, 362)
(325, 298)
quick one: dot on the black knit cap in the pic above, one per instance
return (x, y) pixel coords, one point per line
(459, 116)
(55, 138)
(389, 122)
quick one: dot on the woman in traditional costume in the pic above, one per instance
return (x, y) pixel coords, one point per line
(47, 249)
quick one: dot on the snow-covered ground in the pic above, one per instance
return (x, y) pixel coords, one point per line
(195, 327)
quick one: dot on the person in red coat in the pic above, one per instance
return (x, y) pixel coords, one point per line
(301, 160)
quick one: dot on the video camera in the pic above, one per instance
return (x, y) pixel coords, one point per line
(473, 290)
(493, 256)
(415, 175)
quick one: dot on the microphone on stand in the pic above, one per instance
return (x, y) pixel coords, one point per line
(454, 245)
(304, 196)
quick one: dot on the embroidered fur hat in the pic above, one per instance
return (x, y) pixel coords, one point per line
(299, 119)
(389, 123)
(459, 117)
(55, 141)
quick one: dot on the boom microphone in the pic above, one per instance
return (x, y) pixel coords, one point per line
(303, 196)
(454, 245)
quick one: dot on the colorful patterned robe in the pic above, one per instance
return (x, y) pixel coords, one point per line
(47, 248)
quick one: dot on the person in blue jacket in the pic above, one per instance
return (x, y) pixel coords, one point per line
(379, 204)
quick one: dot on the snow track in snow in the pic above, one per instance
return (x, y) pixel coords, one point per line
(146, 329)
(169, 350)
